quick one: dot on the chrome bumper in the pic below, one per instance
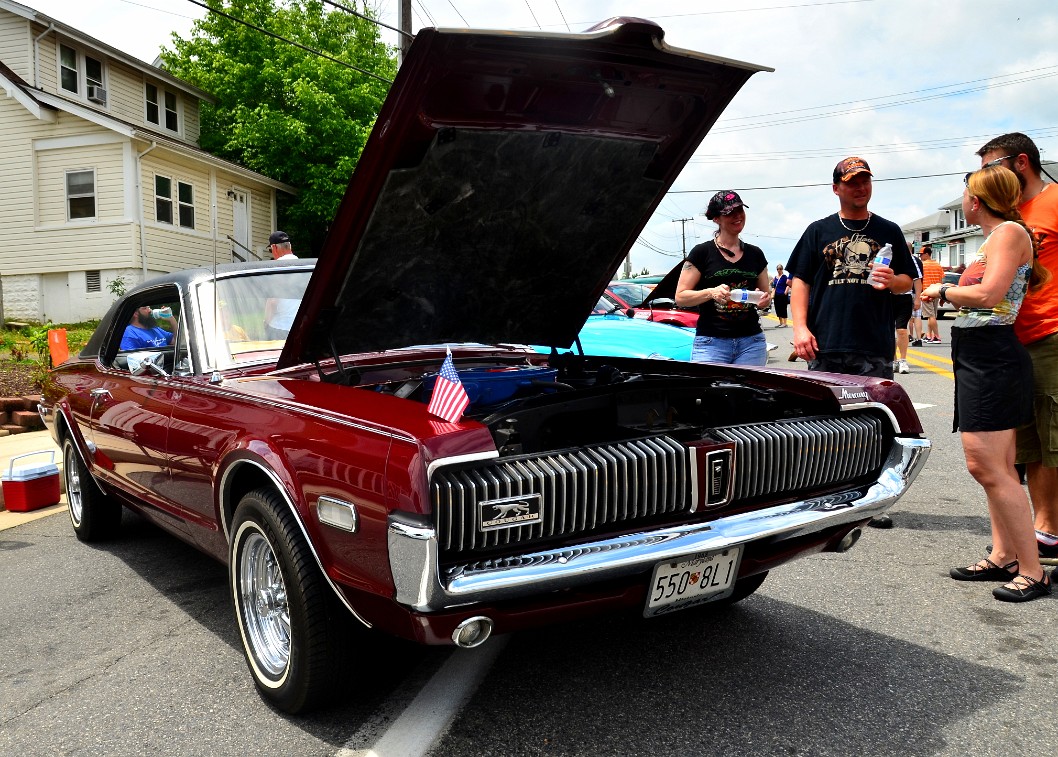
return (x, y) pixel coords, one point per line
(421, 586)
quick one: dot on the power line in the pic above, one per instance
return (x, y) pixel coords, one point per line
(879, 106)
(896, 94)
(465, 23)
(824, 152)
(563, 15)
(291, 42)
(535, 20)
(350, 11)
(806, 186)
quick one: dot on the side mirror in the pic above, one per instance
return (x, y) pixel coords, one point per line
(631, 312)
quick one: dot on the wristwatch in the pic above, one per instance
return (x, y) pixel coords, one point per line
(944, 293)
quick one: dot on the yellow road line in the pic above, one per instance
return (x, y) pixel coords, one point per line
(922, 359)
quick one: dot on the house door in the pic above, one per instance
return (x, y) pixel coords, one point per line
(240, 214)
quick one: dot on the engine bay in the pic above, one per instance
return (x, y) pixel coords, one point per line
(575, 400)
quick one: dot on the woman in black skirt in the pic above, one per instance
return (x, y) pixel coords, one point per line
(993, 377)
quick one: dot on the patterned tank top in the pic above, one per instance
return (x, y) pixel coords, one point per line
(1004, 312)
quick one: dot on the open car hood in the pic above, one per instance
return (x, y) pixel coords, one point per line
(507, 176)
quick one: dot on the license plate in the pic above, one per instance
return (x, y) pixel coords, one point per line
(692, 580)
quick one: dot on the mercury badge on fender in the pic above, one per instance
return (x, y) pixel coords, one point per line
(574, 484)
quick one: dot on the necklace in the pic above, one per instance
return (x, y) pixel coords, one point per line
(729, 254)
(849, 228)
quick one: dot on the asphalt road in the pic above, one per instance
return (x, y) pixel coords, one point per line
(131, 649)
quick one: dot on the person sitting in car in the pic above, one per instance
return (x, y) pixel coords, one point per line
(143, 331)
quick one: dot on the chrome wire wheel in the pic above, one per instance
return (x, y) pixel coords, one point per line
(74, 493)
(263, 600)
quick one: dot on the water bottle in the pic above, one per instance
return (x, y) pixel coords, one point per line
(752, 296)
(161, 313)
(884, 257)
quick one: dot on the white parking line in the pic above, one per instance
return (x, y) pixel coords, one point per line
(440, 700)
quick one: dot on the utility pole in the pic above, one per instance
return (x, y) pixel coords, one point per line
(404, 24)
(683, 230)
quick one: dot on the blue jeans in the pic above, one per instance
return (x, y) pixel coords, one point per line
(737, 350)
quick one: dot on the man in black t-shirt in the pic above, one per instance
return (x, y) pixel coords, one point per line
(842, 322)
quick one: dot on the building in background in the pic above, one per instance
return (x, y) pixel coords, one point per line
(954, 242)
(103, 175)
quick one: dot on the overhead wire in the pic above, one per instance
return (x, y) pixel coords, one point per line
(291, 42)
(563, 15)
(356, 13)
(465, 22)
(535, 20)
(814, 185)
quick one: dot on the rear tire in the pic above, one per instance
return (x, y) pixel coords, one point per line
(288, 617)
(94, 515)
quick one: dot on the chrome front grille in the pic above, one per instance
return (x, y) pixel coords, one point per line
(797, 455)
(594, 487)
(580, 490)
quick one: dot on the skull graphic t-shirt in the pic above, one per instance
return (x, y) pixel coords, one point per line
(845, 313)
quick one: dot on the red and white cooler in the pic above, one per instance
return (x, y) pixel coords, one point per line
(31, 487)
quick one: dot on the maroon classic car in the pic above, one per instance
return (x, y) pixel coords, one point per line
(572, 485)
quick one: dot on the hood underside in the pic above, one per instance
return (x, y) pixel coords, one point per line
(506, 178)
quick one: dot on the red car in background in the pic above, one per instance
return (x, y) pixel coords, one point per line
(637, 299)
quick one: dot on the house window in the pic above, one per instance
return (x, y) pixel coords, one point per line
(163, 202)
(957, 251)
(163, 199)
(78, 71)
(162, 108)
(92, 281)
(186, 198)
(68, 77)
(925, 236)
(80, 195)
(960, 220)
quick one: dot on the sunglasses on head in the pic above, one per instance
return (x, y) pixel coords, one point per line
(989, 164)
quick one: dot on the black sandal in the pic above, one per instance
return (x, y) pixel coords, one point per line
(992, 573)
(1033, 589)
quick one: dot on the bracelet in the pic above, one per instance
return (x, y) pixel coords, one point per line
(944, 293)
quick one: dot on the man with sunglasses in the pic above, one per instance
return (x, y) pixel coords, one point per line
(1037, 328)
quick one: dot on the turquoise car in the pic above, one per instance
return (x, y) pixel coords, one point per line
(609, 331)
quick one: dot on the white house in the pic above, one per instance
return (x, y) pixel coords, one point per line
(103, 176)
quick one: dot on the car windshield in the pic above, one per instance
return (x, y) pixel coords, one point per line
(951, 277)
(633, 294)
(255, 313)
(605, 306)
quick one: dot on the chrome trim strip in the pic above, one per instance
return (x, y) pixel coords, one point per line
(456, 459)
(294, 511)
(419, 585)
(874, 406)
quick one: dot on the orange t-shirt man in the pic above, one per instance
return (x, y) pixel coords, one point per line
(1038, 317)
(932, 272)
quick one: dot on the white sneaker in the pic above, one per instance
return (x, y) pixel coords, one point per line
(902, 366)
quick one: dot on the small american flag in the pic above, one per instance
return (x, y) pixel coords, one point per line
(449, 398)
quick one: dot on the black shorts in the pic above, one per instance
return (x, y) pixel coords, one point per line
(993, 379)
(903, 306)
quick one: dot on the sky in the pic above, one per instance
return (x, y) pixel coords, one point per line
(914, 87)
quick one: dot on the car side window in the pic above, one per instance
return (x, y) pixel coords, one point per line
(150, 329)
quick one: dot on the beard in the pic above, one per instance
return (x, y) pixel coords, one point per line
(148, 322)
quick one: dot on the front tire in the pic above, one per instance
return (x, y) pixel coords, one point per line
(286, 612)
(94, 515)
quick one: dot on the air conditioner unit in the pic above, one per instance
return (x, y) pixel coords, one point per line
(97, 95)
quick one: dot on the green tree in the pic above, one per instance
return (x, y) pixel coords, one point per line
(281, 110)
